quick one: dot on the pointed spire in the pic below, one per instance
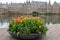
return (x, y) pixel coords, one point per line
(49, 2)
(28, 1)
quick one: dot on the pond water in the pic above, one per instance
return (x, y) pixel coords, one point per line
(50, 19)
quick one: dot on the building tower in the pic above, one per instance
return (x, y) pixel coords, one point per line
(55, 3)
(28, 5)
(28, 1)
(49, 2)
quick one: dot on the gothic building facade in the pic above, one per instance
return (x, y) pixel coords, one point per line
(29, 7)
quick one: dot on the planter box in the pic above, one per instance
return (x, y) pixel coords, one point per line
(26, 36)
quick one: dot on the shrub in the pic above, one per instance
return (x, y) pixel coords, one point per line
(27, 25)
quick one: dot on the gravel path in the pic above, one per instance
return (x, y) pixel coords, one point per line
(52, 34)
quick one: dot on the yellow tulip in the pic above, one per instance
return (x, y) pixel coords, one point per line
(38, 17)
(38, 20)
(39, 26)
(25, 18)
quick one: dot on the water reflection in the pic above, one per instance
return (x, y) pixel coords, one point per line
(53, 19)
(4, 24)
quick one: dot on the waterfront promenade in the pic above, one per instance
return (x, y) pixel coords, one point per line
(52, 34)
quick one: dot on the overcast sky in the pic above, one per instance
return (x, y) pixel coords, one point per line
(18, 1)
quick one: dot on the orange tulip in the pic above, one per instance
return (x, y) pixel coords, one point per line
(19, 19)
(14, 19)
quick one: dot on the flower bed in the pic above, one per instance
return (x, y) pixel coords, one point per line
(27, 26)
